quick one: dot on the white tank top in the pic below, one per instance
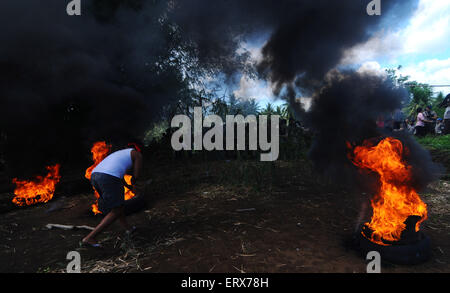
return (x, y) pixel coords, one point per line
(116, 164)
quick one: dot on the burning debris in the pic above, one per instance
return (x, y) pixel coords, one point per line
(38, 190)
(343, 117)
(396, 202)
(128, 193)
(398, 211)
(100, 150)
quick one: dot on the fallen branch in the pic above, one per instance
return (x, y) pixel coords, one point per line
(246, 210)
(68, 227)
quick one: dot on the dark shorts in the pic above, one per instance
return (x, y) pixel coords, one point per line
(111, 191)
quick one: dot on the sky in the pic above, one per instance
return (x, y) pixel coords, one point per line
(421, 46)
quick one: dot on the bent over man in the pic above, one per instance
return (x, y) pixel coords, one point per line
(107, 179)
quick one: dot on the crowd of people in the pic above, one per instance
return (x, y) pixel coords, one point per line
(425, 122)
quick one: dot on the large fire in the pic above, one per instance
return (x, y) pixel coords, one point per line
(396, 200)
(100, 150)
(39, 190)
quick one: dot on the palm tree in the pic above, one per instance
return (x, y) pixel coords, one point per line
(220, 108)
(268, 111)
(279, 111)
(250, 107)
(287, 112)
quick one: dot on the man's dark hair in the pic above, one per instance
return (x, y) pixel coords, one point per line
(126, 144)
(136, 144)
(419, 110)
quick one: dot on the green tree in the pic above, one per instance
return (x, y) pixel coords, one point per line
(398, 79)
(279, 111)
(420, 96)
(436, 102)
(287, 112)
(269, 110)
(220, 107)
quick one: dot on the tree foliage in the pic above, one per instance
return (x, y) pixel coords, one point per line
(420, 94)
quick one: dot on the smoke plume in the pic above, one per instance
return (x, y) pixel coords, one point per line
(344, 112)
(69, 81)
(308, 40)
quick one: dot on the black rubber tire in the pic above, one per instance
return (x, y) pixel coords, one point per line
(412, 254)
(134, 205)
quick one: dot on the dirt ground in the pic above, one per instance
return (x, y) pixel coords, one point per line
(205, 224)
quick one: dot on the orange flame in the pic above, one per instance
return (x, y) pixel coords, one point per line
(39, 190)
(100, 151)
(128, 193)
(396, 199)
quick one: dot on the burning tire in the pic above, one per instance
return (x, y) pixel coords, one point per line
(134, 205)
(397, 209)
(403, 254)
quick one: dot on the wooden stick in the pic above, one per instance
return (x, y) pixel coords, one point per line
(68, 227)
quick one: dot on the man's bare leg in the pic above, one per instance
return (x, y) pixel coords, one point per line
(105, 223)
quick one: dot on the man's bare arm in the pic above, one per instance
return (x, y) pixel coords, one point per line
(137, 165)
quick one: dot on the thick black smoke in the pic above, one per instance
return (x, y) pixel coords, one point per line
(307, 42)
(345, 112)
(66, 82)
(307, 37)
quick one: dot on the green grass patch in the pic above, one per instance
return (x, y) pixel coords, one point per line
(441, 142)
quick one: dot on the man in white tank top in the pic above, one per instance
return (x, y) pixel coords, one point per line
(107, 179)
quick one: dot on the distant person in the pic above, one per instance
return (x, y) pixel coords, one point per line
(447, 116)
(431, 116)
(399, 120)
(410, 127)
(440, 126)
(421, 129)
(107, 179)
